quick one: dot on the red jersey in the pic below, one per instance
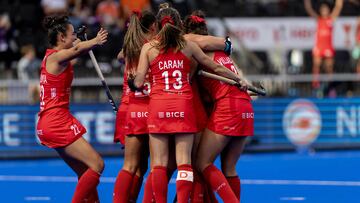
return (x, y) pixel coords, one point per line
(56, 126)
(169, 76)
(171, 108)
(54, 89)
(324, 33)
(217, 89)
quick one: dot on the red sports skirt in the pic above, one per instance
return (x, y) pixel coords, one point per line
(171, 116)
(325, 52)
(58, 128)
(120, 124)
(137, 116)
(200, 113)
(232, 117)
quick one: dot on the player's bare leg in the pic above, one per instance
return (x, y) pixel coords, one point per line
(140, 172)
(185, 176)
(125, 177)
(229, 157)
(159, 147)
(79, 168)
(81, 151)
(316, 71)
(199, 186)
(205, 159)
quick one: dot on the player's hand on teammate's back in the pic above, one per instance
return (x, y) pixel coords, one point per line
(131, 84)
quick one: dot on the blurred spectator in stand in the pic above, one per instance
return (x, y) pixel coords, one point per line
(127, 6)
(28, 71)
(80, 13)
(356, 51)
(28, 65)
(54, 7)
(323, 50)
(107, 12)
(6, 52)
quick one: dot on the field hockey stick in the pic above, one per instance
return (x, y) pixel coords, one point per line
(82, 32)
(259, 91)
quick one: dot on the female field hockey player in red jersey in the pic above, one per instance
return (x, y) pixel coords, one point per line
(230, 122)
(57, 128)
(171, 105)
(323, 49)
(142, 27)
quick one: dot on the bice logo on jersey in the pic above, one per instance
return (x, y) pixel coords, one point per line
(171, 114)
(138, 114)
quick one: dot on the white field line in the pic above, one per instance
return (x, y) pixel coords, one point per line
(60, 179)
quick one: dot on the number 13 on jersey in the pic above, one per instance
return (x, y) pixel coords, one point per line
(177, 83)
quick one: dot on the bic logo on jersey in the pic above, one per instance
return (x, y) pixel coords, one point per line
(172, 114)
(302, 122)
(138, 114)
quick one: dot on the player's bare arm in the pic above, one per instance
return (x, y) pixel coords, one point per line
(206, 42)
(200, 56)
(143, 65)
(337, 9)
(309, 9)
(55, 61)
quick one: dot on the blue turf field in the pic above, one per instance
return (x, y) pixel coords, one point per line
(329, 177)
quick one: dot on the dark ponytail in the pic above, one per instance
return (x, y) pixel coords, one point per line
(55, 25)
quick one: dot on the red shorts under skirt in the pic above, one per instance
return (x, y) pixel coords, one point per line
(58, 128)
(137, 116)
(120, 124)
(323, 52)
(232, 117)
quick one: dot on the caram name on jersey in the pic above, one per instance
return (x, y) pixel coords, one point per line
(171, 64)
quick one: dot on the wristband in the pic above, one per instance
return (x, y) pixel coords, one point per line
(228, 46)
(132, 86)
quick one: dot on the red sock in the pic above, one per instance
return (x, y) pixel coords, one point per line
(209, 195)
(184, 183)
(234, 183)
(219, 184)
(197, 195)
(135, 188)
(148, 191)
(159, 184)
(93, 197)
(87, 184)
(122, 187)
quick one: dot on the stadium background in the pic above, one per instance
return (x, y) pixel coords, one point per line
(272, 45)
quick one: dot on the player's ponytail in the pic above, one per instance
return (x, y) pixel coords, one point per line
(170, 35)
(133, 42)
